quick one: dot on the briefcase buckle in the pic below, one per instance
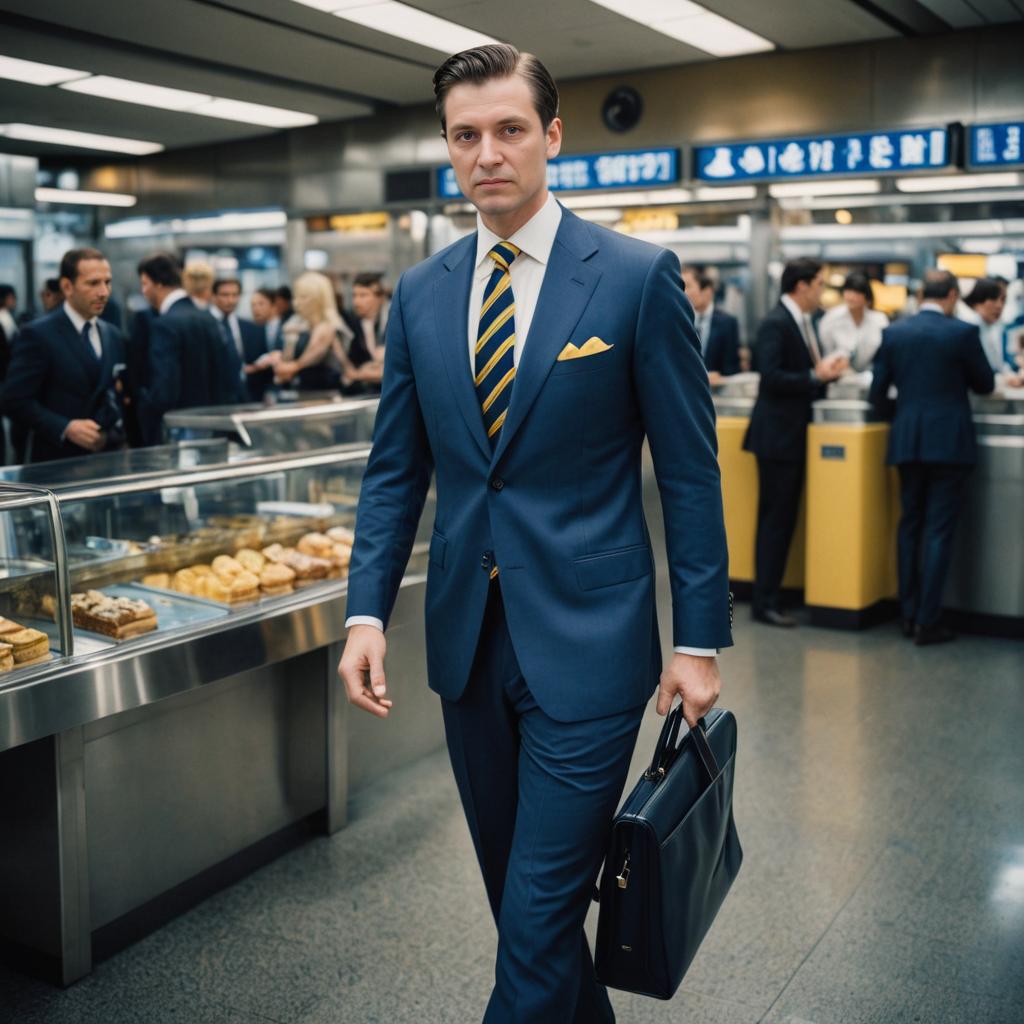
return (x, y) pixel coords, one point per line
(623, 876)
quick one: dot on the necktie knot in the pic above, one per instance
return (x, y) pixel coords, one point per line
(503, 254)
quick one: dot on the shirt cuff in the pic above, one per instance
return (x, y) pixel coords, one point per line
(364, 620)
(699, 652)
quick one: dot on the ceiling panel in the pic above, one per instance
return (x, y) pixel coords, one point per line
(956, 13)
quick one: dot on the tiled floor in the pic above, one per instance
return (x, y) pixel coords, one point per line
(880, 802)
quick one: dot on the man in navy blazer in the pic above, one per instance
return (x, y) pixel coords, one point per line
(934, 361)
(190, 363)
(61, 385)
(719, 332)
(524, 366)
(248, 340)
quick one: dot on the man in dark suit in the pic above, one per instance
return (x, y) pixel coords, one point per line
(526, 363)
(793, 375)
(247, 340)
(719, 332)
(61, 386)
(190, 363)
(934, 361)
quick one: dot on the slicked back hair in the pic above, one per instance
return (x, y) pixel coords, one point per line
(795, 271)
(162, 269)
(497, 60)
(70, 260)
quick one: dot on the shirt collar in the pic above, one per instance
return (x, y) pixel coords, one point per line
(535, 238)
(171, 298)
(77, 320)
(931, 307)
(795, 311)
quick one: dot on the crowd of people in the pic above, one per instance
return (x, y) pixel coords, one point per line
(77, 379)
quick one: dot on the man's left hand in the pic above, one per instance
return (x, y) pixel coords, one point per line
(693, 678)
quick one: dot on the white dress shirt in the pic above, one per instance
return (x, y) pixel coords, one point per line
(171, 298)
(233, 327)
(991, 338)
(8, 323)
(805, 325)
(535, 240)
(839, 332)
(78, 322)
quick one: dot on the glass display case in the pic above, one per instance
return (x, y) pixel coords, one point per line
(302, 425)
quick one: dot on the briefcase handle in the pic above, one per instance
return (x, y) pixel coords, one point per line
(667, 749)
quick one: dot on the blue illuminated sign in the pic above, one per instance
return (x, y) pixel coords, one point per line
(996, 145)
(868, 153)
(640, 167)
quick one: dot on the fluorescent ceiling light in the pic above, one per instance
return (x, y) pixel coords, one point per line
(238, 220)
(658, 197)
(78, 197)
(78, 140)
(692, 24)
(184, 102)
(126, 91)
(850, 187)
(409, 23)
(36, 74)
(958, 182)
(255, 113)
(725, 193)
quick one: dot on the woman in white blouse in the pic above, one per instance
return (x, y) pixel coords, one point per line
(854, 327)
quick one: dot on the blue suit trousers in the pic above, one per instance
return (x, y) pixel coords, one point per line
(539, 797)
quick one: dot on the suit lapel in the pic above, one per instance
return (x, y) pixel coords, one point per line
(797, 335)
(451, 313)
(107, 360)
(74, 343)
(569, 283)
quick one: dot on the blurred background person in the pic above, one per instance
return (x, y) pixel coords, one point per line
(246, 339)
(61, 388)
(719, 332)
(8, 325)
(189, 362)
(264, 313)
(316, 339)
(50, 295)
(985, 305)
(854, 327)
(136, 372)
(197, 279)
(371, 305)
(283, 304)
(788, 356)
(934, 361)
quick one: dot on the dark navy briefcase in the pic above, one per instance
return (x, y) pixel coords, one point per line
(672, 857)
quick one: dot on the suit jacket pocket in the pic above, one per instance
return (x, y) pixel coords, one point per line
(611, 567)
(438, 547)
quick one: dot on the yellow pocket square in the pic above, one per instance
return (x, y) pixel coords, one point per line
(591, 347)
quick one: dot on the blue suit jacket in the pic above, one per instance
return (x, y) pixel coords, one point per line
(933, 360)
(722, 352)
(190, 364)
(559, 502)
(49, 382)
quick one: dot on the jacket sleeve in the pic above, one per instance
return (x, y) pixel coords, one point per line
(882, 379)
(26, 377)
(980, 378)
(770, 357)
(164, 389)
(394, 485)
(731, 348)
(679, 419)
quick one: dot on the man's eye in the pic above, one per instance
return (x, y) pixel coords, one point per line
(512, 130)
(464, 136)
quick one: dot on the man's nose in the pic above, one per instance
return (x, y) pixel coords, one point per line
(490, 151)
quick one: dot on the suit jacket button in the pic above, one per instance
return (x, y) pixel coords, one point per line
(497, 483)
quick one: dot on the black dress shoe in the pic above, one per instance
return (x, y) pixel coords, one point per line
(927, 635)
(770, 617)
(908, 628)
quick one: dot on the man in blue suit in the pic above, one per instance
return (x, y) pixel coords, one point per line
(190, 363)
(719, 332)
(934, 361)
(524, 366)
(61, 388)
(246, 339)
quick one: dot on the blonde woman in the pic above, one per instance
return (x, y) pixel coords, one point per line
(197, 279)
(315, 339)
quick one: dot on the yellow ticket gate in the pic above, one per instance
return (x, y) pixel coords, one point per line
(852, 515)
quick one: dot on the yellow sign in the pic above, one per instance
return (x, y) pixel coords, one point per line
(649, 220)
(963, 264)
(365, 222)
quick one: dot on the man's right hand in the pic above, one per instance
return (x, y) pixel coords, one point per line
(86, 434)
(832, 367)
(364, 654)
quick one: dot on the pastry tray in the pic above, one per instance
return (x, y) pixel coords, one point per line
(173, 610)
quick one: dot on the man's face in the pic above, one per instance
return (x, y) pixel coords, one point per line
(700, 298)
(808, 293)
(88, 293)
(366, 302)
(11, 302)
(226, 297)
(149, 291)
(281, 306)
(262, 310)
(497, 145)
(50, 300)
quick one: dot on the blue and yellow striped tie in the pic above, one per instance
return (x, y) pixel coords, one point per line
(495, 367)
